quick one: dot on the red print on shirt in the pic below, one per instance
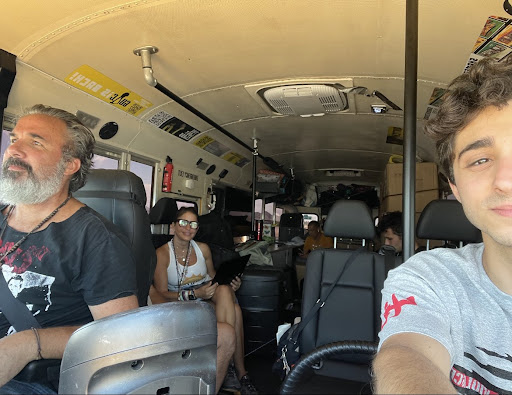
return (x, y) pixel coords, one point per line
(396, 306)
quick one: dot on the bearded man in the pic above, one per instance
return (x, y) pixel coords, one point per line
(70, 265)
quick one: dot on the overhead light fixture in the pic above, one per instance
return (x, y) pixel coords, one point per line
(379, 109)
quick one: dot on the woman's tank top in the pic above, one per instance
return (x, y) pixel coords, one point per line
(195, 275)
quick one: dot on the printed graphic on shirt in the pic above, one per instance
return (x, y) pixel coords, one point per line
(471, 381)
(33, 289)
(396, 307)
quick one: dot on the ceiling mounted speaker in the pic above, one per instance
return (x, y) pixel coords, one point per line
(306, 100)
(109, 130)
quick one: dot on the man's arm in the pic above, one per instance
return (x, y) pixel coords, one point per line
(20, 348)
(410, 363)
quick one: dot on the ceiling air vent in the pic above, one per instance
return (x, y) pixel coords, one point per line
(306, 100)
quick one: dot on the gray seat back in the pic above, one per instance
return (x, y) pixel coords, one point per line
(120, 197)
(168, 348)
(352, 310)
(445, 220)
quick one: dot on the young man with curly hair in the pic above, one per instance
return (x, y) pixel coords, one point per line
(447, 313)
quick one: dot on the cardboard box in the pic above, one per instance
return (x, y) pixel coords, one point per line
(426, 178)
(394, 203)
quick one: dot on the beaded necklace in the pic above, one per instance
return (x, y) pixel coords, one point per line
(181, 276)
(38, 226)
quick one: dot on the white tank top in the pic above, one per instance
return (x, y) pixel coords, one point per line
(196, 274)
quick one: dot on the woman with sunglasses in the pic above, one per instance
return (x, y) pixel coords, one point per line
(184, 272)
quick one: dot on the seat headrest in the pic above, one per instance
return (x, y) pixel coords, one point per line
(163, 212)
(445, 220)
(114, 184)
(350, 219)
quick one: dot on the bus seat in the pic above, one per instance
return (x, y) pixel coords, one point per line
(352, 310)
(162, 213)
(290, 226)
(168, 348)
(119, 196)
(445, 220)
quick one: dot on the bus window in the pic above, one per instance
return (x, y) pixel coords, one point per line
(145, 172)
(104, 162)
(307, 219)
(4, 143)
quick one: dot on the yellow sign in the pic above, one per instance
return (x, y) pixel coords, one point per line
(236, 159)
(93, 82)
(203, 141)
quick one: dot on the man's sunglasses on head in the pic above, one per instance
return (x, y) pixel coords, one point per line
(184, 222)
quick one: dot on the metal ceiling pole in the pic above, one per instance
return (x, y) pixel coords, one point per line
(145, 53)
(253, 207)
(409, 172)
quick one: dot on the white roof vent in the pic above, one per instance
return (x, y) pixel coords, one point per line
(306, 100)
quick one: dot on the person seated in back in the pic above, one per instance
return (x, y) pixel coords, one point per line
(316, 239)
(390, 229)
(66, 263)
(184, 272)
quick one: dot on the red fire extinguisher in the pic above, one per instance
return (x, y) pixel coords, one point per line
(167, 176)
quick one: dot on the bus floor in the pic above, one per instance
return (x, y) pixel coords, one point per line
(260, 364)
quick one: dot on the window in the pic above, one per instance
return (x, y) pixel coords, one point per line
(104, 162)
(145, 172)
(185, 203)
(307, 218)
(4, 143)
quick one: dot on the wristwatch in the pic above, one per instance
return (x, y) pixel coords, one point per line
(191, 295)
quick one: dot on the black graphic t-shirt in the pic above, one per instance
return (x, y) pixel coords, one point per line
(61, 270)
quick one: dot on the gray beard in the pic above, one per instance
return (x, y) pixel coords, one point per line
(30, 189)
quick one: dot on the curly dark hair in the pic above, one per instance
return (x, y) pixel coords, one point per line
(488, 83)
(392, 221)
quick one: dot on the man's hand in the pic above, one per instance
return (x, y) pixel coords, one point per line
(206, 291)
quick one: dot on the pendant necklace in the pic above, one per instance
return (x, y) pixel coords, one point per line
(38, 226)
(181, 275)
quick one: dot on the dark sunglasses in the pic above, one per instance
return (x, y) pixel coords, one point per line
(184, 222)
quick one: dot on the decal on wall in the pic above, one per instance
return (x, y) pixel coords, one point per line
(495, 40)
(211, 145)
(434, 102)
(173, 125)
(395, 135)
(236, 159)
(99, 85)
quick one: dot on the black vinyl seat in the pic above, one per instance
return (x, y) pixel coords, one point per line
(169, 348)
(163, 213)
(445, 220)
(119, 196)
(352, 310)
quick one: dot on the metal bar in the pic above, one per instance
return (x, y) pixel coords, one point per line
(253, 208)
(198, 113)
(410, 92)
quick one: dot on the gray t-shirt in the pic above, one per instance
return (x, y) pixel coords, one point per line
(446, 294)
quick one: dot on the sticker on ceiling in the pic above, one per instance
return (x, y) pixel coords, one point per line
(495, 40)
(173, 125)
(99, 85)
